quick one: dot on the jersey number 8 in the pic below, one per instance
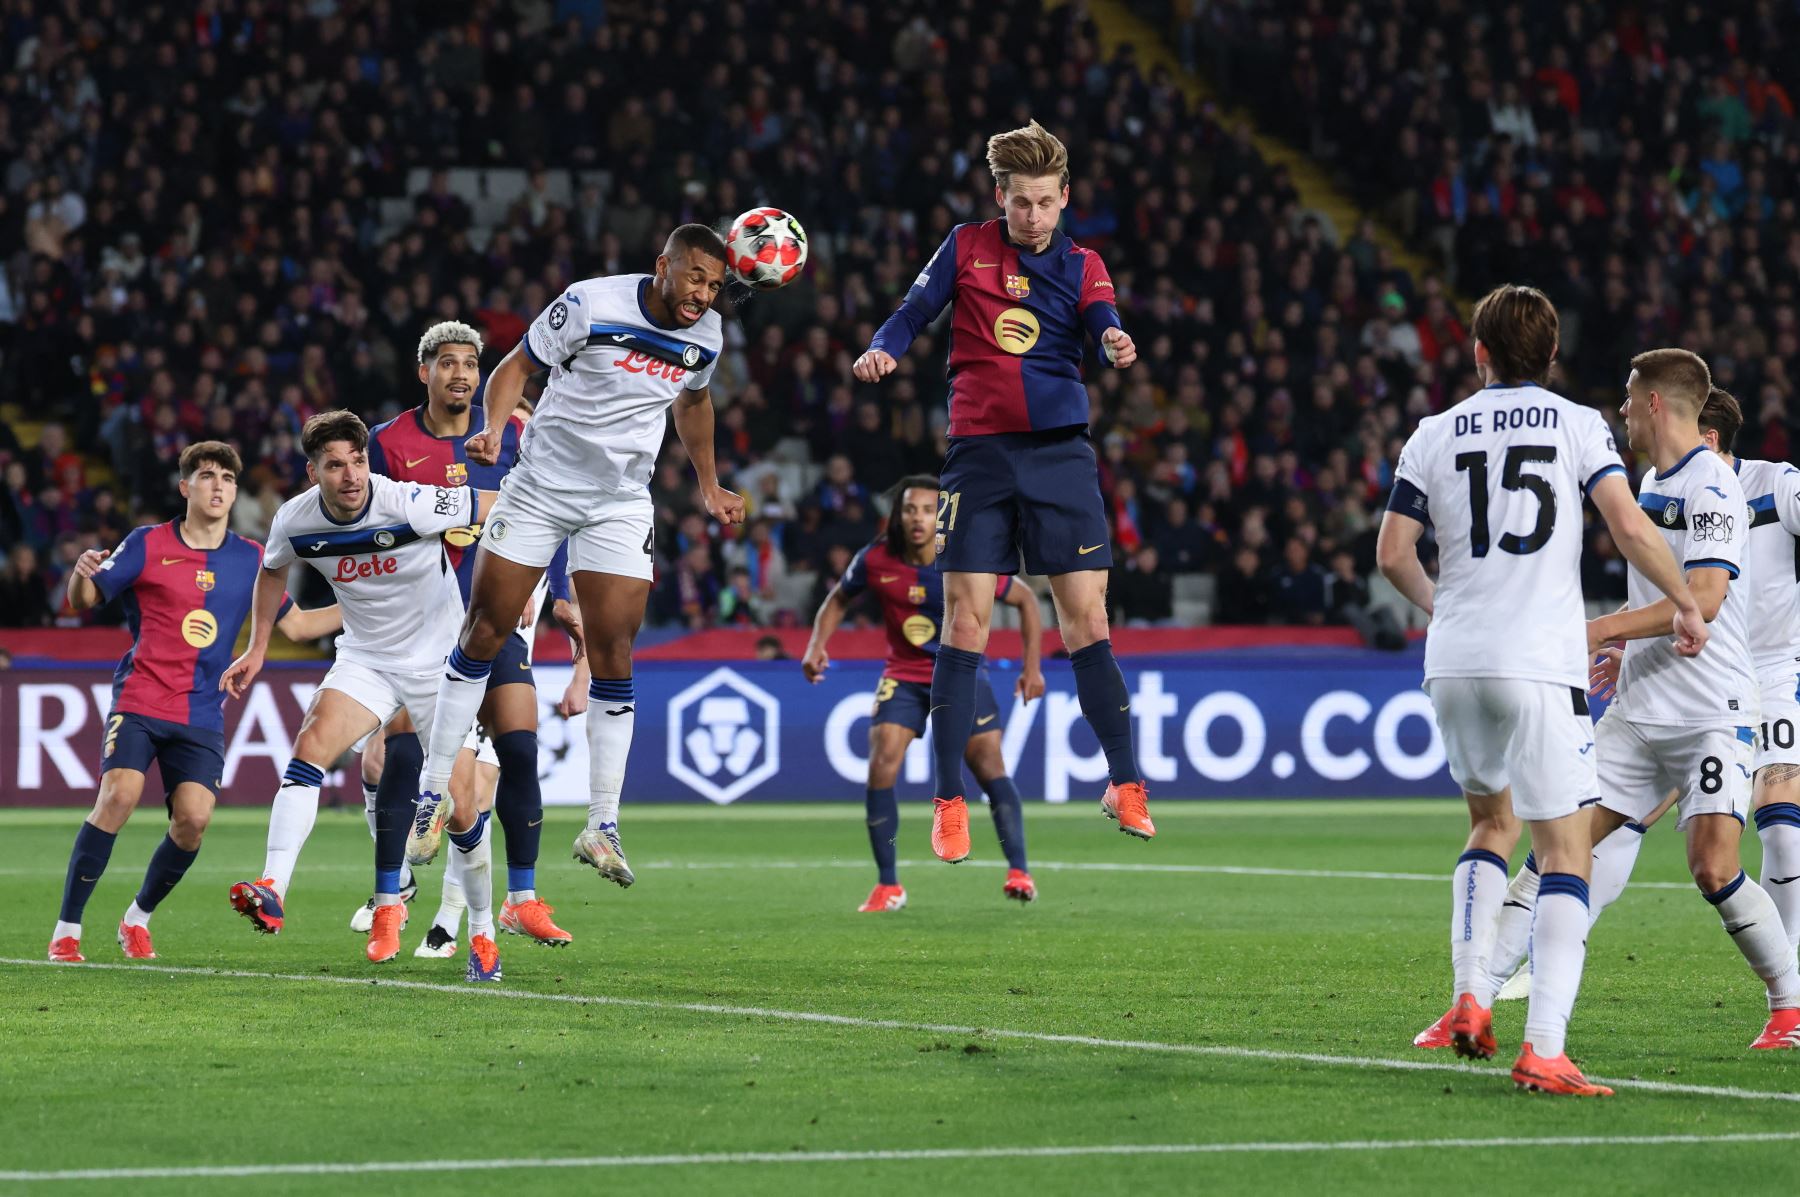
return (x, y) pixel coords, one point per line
(1512, 477)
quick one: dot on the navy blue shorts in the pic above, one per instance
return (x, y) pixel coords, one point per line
(184, 753)
(908, 704)
(1032, 492)
(513, 664)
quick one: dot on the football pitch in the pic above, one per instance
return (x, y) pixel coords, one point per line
(1226, 1008)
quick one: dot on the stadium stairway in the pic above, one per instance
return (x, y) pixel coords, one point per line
(1118, 26)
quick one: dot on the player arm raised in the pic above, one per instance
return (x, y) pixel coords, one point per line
(925, 299)
(1693, 599)
(83, 594)
(1031, 631)
(505, 390)
(694, 425)
(265, 609)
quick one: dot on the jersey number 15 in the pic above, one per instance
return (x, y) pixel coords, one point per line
(1512, 477)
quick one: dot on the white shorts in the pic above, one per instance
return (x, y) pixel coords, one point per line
(385, 693)
(482, 745)
(1640, 763)
(1535, 737)
(607, 533)
(1778, 739)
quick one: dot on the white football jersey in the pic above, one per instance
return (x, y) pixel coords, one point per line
(1698, 505)
(402, 607)
(1772, 489)
(1501, 476)
(614, 373)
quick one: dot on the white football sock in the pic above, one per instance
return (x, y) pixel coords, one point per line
(1558, 951)
(66, 930)
(1614, 858)
(1478, 886)
(291, 818)
(1754, 925)
(136, 916)
(1512, 939)
(1781, 867)
(611, 719)
(458, 701)
(369, 788)
(453, 903)
(478, 881)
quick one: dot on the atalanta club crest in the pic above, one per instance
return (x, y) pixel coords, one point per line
(204, 579)
(1671, 512)
(690, 357)
(1018, 286)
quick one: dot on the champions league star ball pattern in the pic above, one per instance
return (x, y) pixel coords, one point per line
(767, 248)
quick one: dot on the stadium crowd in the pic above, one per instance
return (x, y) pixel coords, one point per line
(231, 216)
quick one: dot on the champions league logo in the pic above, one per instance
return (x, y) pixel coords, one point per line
(559, 315)
(724, 736)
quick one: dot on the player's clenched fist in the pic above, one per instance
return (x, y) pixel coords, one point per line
(484, 447)
(814, 664)
(873, 366)
(724, 506)
(89, 563)
(1121, 350)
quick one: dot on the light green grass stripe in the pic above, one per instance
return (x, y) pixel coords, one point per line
(888, 1024)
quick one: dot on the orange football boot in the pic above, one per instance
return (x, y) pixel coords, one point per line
(1472, 1029)
(950, 829)
(1783, 1031)
(1535, 1074)
(67, 950)
(1129, 804)
(1436, 1035)
(533, 918)
(1019, 885)
(136, 942)
(384, 931)
(882, 899)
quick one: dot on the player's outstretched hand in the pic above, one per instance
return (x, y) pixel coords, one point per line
(1691, 632)
(1121, 350)
(1030, 684)
(240, 673)
(483, 447)
(873, 366)
(1603, 673)
(814, 664)
(89, 563)
(724, 506)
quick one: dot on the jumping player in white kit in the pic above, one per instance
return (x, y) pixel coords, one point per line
(1500, 477)
(380, 545)
(621, 352)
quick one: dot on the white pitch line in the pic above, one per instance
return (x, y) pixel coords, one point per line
(890, 1024)
(891, 1156)
(1047, 866)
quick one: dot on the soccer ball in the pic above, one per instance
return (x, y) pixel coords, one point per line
(767, 248)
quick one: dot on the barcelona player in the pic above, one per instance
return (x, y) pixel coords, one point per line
(901, 570)
(425, 445)
(1020, 475)
(186, 588)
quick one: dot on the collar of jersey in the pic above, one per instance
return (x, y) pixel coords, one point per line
(475, 420)
(175, 527)
(643, 290)
(1511, 386)
(1676, 468)
(326, 511)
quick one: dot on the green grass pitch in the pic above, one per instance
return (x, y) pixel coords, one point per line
(1171, 1002)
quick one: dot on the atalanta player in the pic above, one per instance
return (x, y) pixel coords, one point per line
(1020, 475)
(901, 570)
(186, 589)
(425, 445)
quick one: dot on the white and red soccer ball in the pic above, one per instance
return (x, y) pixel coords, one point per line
(767, 248)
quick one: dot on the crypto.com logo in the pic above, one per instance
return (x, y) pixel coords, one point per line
(724, 736)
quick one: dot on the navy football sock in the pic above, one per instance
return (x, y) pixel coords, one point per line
(395, 799)
(519, 805)
(953, 681)
(1009, 818)
(883, 811)
(93, 848)
(168, 865)
(1106, 703)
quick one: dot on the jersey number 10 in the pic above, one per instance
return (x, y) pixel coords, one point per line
(1512, 477)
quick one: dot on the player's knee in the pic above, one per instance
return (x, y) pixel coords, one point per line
(884, 770)
(1084, 628)
(186, 827)
(112, 807)
(1713, 875)
(965, 629)
(485, 632)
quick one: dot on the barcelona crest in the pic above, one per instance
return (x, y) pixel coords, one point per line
(1018, 286)
(203, 578)
(456, 473)
(915, 595)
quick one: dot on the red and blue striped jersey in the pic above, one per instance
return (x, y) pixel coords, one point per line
(912, 606)
(1015, 328)
(405, 450)
(185, 607)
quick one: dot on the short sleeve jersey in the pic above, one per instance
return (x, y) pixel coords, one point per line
(1771, 566)
(614, 374)
(1698, 506)
(1501, 477)
(388, 566)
